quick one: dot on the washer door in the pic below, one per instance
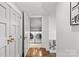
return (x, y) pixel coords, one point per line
(38, 37)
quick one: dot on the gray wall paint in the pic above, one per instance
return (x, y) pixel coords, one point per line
(67, 39)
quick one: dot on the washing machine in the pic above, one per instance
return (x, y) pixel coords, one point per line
(35, 37)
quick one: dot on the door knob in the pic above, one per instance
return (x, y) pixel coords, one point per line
(12, 39)
(8, 41)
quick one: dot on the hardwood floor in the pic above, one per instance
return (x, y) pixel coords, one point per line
(39, 52)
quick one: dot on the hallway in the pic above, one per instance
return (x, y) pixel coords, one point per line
(39, 29)
(26, 25)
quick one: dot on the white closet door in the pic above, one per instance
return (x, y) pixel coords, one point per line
(10, 33)
(15, 33)
(4, 26)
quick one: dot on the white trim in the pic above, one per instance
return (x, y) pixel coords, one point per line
(14, 7)
(36, 16)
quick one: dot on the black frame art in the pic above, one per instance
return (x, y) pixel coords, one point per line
(74, 13)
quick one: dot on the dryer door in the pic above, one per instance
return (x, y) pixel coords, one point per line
(38, 37)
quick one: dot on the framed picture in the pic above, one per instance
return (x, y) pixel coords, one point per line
(74, 13)
(52, 44)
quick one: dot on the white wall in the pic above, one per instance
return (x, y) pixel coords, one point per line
(52, 28)
(45, 32)
(67, 36)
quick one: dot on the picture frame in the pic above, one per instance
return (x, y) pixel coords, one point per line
(52, 44)
(74, 13)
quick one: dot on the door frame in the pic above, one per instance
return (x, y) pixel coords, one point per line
(23, 34)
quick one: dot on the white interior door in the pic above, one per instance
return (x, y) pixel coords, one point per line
(10, 32)
(4, 26)
(15, 33)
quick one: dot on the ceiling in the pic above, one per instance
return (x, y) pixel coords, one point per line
(37, 8)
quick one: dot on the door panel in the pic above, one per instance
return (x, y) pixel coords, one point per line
(4, 25)
(3, 34)
(13, 30)
(12, 49)
(18, 31)
(19, 34)
(12, 45)
(2, 11)
(2, 51)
